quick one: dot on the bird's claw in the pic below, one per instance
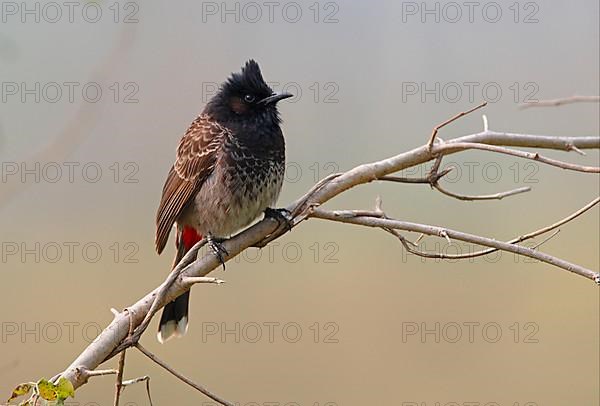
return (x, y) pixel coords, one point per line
(218, 249)
(283, 216)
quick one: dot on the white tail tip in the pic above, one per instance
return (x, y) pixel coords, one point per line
(172, 329)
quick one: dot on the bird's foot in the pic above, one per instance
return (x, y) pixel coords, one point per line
(283, 217)
(216, 246)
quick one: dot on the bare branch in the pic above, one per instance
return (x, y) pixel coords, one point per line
(434, 181)
(427, 180)
(144, 378)
(558, 223)
(199, 388)
(458, 235)
(530, 140)
(115, 337)
(434, 176)
(545, 240)
(494, 196)
(450, 120)
(411, 246)
(119, 381)
(121, 367)
(191, 280)
(133, 381)
(520, 238)
(516, 240)
(441, 149)
(100, 372)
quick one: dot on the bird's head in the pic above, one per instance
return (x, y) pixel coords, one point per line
(246, 96)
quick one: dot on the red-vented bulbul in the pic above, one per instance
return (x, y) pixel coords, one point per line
(228, 170)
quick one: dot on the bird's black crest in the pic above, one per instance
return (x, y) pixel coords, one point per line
(240, 95)
(248, 80)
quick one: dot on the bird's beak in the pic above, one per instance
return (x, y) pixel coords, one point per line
(275, 97)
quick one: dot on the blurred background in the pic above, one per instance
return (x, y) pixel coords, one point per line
(95, 96)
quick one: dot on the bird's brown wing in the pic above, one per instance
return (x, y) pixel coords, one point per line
(196, 157)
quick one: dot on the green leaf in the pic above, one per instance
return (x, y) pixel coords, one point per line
(46, 389)
(20, 390)
(64, 388)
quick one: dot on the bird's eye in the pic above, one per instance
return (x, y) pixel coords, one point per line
(249, 98)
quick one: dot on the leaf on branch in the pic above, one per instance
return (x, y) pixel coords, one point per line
(56, 393)
(20, 390)
(64, 388)
(46, 389)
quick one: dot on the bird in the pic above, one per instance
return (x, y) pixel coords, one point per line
(229, 168)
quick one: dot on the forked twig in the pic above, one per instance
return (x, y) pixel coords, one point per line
(173, 372)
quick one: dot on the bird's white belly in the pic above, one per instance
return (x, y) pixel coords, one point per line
(228, 202)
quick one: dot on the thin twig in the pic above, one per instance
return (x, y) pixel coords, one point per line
(491, 250)
(434, 182)
(194, 385)
(558, 223)
(99, 372)
(434, 176)
(144, 378)
(426, 180)
(486, 125)
(462, 146)
(494, 196)
(299, 205)
(545, 240)
(191, 280)
(450, 120)
(461, 236)
(574, 148)
(359, 213)
(121, 365)
(119, 381)
(561, 101)
(410, 246)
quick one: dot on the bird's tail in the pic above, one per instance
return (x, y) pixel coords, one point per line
(174, 319)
